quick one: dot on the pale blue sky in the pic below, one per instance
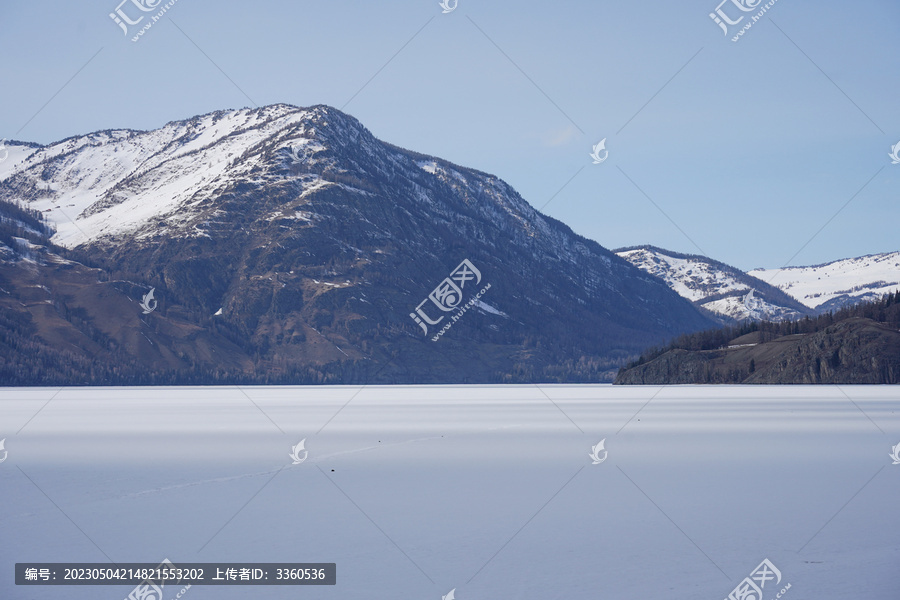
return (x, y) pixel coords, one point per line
(750, 149)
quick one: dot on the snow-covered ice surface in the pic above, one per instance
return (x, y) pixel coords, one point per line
(416, 490)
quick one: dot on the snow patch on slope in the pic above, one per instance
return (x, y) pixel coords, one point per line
(429, 166)
(748, 306)
(12, 155)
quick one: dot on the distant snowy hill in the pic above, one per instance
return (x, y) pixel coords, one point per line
(839, 283)
(715, 286)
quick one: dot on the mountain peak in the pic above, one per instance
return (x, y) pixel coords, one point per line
(115, 182)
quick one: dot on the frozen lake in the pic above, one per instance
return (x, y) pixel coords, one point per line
(417, 490)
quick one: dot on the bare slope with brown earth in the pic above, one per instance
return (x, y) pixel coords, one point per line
(855, 350)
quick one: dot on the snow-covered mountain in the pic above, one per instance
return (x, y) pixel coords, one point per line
(715, 286)
(299, 247)
(112, 183)
(839, 283)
